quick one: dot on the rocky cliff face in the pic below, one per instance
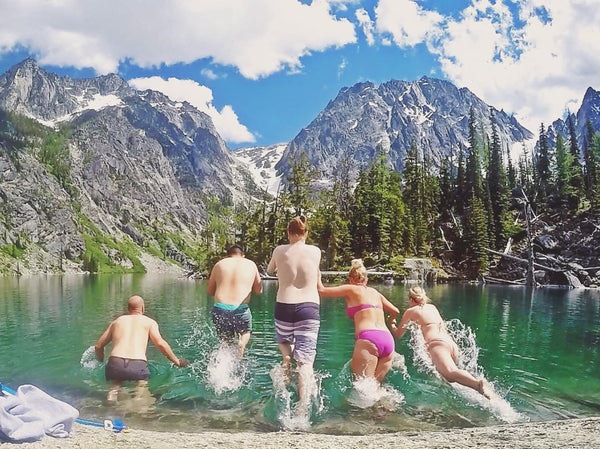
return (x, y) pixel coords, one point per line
(365, 118)
(261, 162)
(589, 110)
(117, 175)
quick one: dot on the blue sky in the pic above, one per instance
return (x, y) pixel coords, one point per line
(263, 69)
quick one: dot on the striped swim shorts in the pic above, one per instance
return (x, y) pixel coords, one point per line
(298, 324)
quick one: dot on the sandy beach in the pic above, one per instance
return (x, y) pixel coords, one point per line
(573, 433)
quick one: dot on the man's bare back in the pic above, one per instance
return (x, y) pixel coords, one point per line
(130, 334)
(232, 279)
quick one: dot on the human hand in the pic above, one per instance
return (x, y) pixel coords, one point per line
(182, 362)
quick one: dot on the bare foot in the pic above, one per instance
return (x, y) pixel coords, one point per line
(112, 396)
(484, 388)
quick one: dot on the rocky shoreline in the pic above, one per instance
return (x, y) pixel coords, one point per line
(572, 433)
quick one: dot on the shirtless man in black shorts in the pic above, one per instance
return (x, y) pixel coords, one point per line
(129, 334)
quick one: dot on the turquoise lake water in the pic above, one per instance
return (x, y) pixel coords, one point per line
(539, 348)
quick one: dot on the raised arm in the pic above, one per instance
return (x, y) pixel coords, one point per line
(164, 347)
(103, 341)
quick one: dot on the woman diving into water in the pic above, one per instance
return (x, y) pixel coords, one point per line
(440, 345)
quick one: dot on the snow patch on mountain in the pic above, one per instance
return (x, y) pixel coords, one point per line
(260, 162)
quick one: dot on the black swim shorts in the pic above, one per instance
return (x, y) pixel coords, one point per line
(120, 369)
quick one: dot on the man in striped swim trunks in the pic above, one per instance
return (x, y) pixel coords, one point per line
(297, 317)
(231, 281)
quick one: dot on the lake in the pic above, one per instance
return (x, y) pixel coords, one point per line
(539, 348)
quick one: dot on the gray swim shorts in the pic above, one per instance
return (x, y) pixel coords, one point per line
(298, 324)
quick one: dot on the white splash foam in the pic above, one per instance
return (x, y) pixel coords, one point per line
(89, 360)
(297, 417)
(367, 393)
(225, 370)
(468, 360)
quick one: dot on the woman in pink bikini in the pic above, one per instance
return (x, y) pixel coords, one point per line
(374, 346)
(442, 348)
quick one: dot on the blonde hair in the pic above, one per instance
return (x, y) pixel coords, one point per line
(297, 226)
(418, 295)
(358, 271)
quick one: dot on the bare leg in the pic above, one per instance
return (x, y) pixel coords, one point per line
(306, 385)
(242, 342)
(143, 399)
(286, 350)
(383, 366)
(113, 391)
(441, 355)
(364, 359)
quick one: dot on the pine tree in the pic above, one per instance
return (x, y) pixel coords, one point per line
(302, 175)
(461, 183)
(498, 190)
(564, 169)
(576, 169)
(476, 236)
(594, 157)
(447, 190)
(512, 171)
(542, 167)
(590, 162)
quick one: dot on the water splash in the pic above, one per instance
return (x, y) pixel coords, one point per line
(216, 364)
(225, 371)
(468, 360)
(89, 360)
(367, 393)
(297, 417)
(399, 364)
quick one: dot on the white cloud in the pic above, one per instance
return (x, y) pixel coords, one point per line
(534, 61)
(226, 121)
(536, 70)
(366, 25)
(208, 73)
(406, 21)
(341, 5)
(342, 67)
(258, 37)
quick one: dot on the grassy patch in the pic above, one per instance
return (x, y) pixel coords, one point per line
(95, 259)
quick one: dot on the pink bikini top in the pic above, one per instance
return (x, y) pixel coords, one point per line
(351, 311)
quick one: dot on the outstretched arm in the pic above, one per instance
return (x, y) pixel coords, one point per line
(400, 329)
(164, 347)
(341, 291)
(103, 341)
(387, 305)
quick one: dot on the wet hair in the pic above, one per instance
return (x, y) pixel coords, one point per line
(418, 295)
(297, 226)
(235, 249)
(358, 272)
